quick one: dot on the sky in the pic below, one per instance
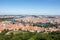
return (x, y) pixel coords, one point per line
(29, 7)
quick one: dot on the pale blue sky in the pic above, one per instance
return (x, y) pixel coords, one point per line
(29, 7)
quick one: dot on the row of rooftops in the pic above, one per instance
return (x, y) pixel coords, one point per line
(27, 27)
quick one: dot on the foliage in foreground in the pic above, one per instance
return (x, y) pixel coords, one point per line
(26, 35)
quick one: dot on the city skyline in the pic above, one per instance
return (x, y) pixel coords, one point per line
(29, 7)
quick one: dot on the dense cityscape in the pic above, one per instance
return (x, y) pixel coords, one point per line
(32, 24)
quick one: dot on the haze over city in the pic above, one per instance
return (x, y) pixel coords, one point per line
(29, 7)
